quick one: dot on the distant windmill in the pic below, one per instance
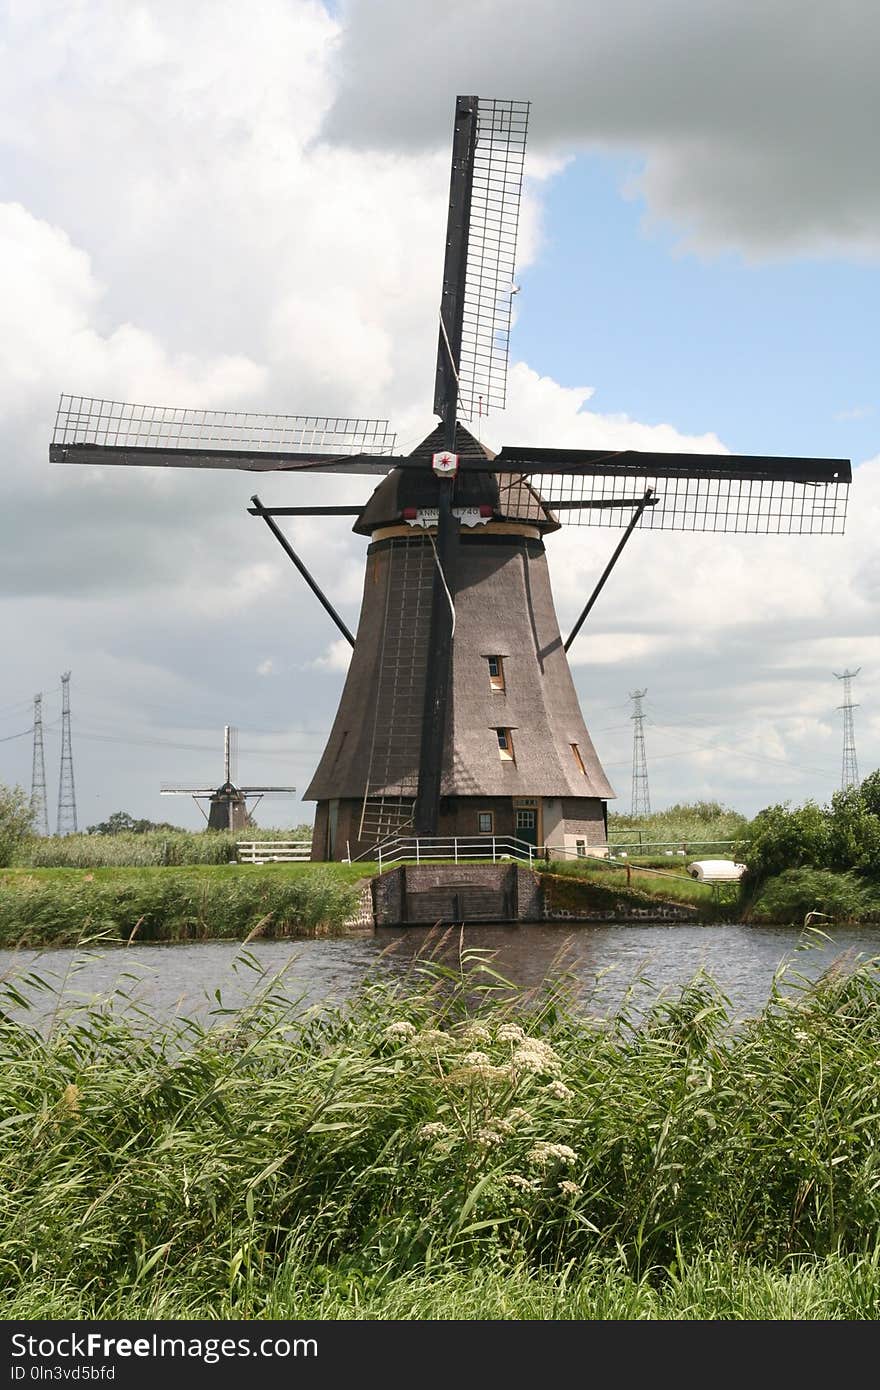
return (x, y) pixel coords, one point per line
(228, 809)
(459, 715)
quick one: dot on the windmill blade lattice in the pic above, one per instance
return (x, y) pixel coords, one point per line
(496, 194)
(92, 430)
(687, 501)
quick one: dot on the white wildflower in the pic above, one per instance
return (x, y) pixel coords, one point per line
(398, 1030)
(430, 1040)
(510, 1032)
(517, 1116)
(535, 1056)
(527, 1061)
(489, 1138)
(475, 1059)
(558, 1090)
(476, 1033)
(570, 1189)
(519, 1182)
(484, 1069)
(436, 1129)
(544, 1154)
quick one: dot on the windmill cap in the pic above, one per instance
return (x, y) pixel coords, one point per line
(407, 490)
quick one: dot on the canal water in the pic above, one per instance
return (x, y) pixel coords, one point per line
(600, 966)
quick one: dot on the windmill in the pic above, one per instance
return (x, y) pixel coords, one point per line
(228, 804)
(459, 714)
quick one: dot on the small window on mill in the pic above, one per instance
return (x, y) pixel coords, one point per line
(485, 822)
(496, 672)
(505, 745)
(578, 759)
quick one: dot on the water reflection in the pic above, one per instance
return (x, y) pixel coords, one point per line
(600, 964)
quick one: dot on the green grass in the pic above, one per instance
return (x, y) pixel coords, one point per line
(841, 897)
(438, 1149)
(668, 885)
(60, 906)
(155, 847)
(602, 1289)
(706, 824)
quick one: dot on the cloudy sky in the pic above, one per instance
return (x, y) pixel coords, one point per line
(227, 205)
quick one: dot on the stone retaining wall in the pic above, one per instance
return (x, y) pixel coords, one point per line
(623, 913)
(419, 894)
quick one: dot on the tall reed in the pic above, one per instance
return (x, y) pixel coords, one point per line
(56, 907)
(435, 1129)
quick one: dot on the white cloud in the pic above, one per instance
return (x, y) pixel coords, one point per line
(755, 121)
(857, 412)
(335, 658)
(537, 402)
(174, 230)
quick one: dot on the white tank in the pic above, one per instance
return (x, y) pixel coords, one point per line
(716, 870)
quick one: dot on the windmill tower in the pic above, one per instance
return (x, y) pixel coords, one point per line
(66, 823)
(640, 800)
(38, 773)
(227, 804)
(849, 770)
(459, 715)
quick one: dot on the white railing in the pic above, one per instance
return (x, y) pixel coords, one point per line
(452, 849)
(272, 851)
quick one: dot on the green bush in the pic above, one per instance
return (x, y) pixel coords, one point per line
(842, 837)
(791, 895)
(16, 822)
(782, 838)
(854, 831)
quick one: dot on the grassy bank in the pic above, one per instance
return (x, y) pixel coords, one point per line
(706, 824)
(838, 897)
(150, 849)
(60, 907)
(602, 886)
(426, 1153)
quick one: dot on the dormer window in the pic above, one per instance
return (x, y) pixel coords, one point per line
(578, 759)
(505, 745)
(496, 672)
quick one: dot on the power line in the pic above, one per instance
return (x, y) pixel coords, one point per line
(93, 737)
(849, 771)
(640, 803)
(738, 752)
(39, 806)
(66, 823)
(25, 703)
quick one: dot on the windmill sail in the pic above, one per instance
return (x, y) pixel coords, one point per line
(582, 487)
(488, 155)
(496, 193)
(690, 492)
(95, 431)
